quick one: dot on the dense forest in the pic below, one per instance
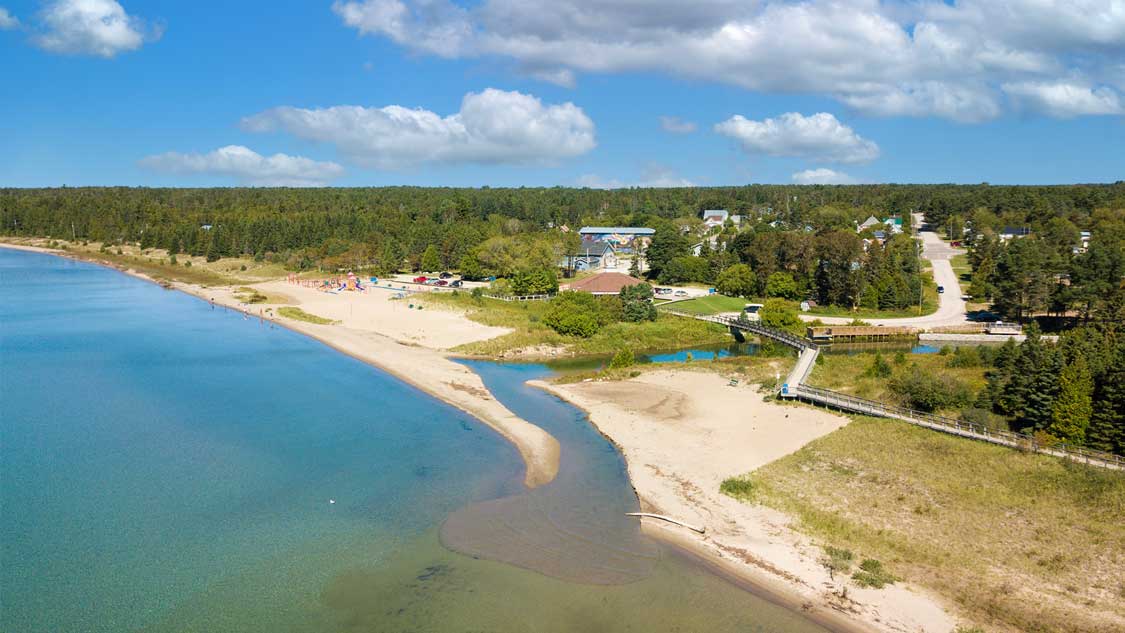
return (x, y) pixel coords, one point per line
(796, 241)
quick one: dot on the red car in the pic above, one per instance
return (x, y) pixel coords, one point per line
(419, 280)
(441, 282)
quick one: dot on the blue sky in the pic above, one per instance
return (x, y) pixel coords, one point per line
(568, 92)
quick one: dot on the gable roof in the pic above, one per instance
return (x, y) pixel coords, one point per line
(624, 230)
(604, 283)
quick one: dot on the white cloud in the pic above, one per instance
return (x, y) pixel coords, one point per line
(7, 20)
(822, 176)
(492, 126)
(1064, 99)
(651, 176)
(248, 167)
(675, 125)
(819, 136)
(91, 27)
(919, 58)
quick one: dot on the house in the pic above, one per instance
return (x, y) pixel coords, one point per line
(1011, 232)
(715, 217)
(1083, 243)
(868, 223)
(894, 224)
(881, 236)
(594, 255)
(603, 284)
(624, 238)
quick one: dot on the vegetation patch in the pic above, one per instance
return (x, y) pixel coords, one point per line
(298, 314)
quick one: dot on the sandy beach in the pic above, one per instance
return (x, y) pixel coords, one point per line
(406, 343)
(682, 433)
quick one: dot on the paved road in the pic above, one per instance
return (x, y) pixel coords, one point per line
(951, 308)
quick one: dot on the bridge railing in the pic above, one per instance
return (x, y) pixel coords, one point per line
(961, 427)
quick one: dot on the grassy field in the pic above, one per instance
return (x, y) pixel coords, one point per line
(711, 304)
(1018, 542)
(667, 332)
(298, 314)
(845, 373)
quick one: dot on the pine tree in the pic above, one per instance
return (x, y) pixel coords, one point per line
(1107, 422)
(1070, 413)
(430, 260)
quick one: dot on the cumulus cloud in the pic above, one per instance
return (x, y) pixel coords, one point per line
(491, 127)
(91, 27)
(923, 58)
(822, 176)
(7, 20)
(819, 136)
(651, 176)
(248, 167)
(1065, 99)
(675, 125)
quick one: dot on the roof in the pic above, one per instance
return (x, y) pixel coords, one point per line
(870, 221)
(720, 213)
(1016, 230)
(604, 283)
(627, 230)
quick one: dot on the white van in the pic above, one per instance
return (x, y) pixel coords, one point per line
(751, 311)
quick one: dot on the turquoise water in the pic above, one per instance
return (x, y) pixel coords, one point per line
(169, 467)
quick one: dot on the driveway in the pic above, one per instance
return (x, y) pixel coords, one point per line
(951, 308)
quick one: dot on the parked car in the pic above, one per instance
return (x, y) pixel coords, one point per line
(446, 275)
(681, 293)
(940, 289)
(420, 280)
(456, 283)
(441, 282)
(663, 291)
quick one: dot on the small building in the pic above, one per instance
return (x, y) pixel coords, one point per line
(603, 284)
(715, 217)
(1083, 243)
(624, 238)
(595, 255)
(868, 223)
(894, 224)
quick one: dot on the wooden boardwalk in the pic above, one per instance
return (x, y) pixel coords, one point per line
(795, 388)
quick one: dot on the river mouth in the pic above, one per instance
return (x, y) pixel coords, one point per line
(168, 467)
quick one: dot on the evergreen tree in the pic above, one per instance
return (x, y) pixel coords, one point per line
(1070, 413)
(667, 244)
(1107, 422)
(430, 260)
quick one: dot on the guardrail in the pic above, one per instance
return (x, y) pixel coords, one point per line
(957, 427)
(520, 297)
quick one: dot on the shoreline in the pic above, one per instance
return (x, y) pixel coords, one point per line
(754, 548)
(429, 370)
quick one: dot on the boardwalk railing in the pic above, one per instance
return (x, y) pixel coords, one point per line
(795, 388)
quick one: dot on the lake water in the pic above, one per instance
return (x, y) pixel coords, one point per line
(169, 467)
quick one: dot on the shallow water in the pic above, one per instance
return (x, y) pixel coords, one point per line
(169, 467)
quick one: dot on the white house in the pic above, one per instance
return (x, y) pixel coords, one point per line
(715, 217)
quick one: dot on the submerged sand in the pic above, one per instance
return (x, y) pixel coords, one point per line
(682, 433)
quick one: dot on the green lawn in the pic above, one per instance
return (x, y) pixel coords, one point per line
(711, 304)
(1018, 542)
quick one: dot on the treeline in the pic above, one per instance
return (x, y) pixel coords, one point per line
(1051, 271)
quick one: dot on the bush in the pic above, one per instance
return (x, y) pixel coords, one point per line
(879, 367)
(534, 282)
(930, 392)
(623, 358)
(838, 560)
(575, 314)
(872, 574)
(965, 357)
(686, 268)
(900, 358)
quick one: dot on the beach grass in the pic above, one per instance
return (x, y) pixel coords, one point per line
(1017, 541)
(528, 331)
(297, 314)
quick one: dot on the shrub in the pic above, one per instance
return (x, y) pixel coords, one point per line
(872, 574)
(879, 368)
(965, 357)
(534, 282)
(929, 392)
(575, 314)
(623, 358)
(900, 358)
(945, 350)
(838, 560)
